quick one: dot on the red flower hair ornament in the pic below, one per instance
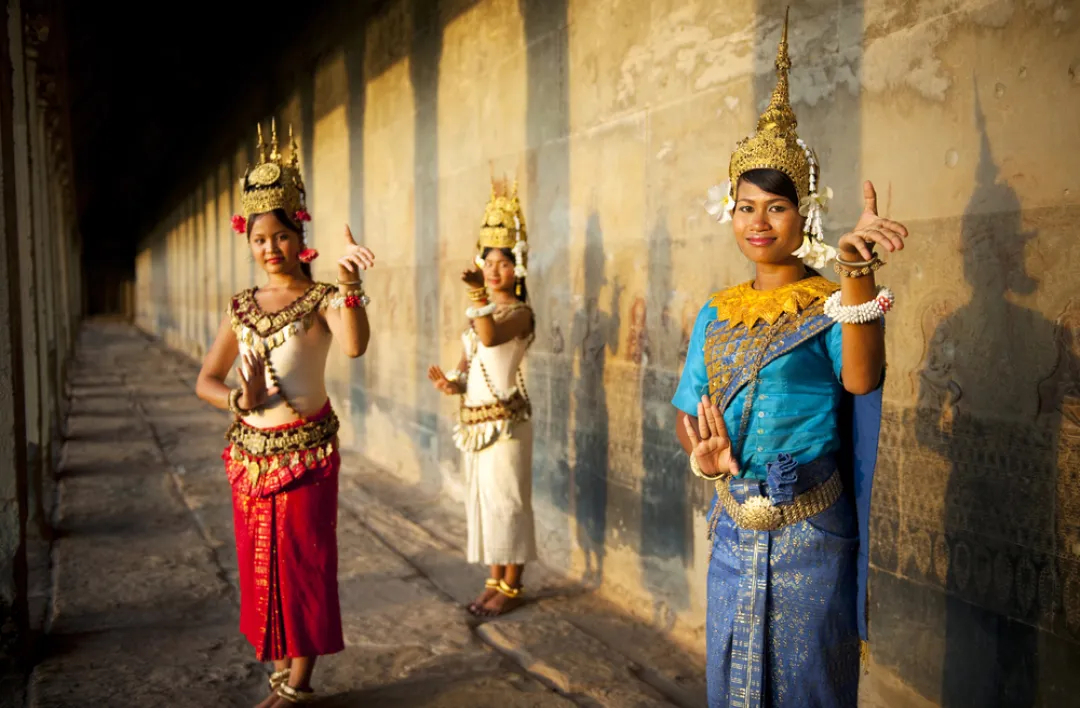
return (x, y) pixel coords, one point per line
(302, 216)
(239, 224)
(308, 255)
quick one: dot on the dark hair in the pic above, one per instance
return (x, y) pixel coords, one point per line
(293, 225)
(524, 295)
(773, 182)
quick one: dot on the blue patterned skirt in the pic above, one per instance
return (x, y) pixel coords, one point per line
(782, 606)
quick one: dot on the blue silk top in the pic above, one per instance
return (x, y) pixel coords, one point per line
(798, 393)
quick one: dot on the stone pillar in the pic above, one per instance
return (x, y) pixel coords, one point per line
(14, 613)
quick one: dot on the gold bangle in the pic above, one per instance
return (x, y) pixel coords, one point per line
(856, 264)
(696, 469)
(851, 271)
(350, 282)
(478, 294)
(234, 402)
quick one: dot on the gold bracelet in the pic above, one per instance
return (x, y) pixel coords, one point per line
(350, 282)
(856, 264)
(851, 270)
(696, 469)
(234, 402)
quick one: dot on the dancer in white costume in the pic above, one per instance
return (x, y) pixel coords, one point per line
(494, 431)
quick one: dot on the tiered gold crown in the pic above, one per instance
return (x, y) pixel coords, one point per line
(274, 183)
(776, 145)
(504, 222)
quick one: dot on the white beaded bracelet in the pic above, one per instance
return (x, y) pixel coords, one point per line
(473, 312)
(860, 314)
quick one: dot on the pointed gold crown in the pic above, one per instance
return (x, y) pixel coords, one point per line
(504, 222)
(776, 145)
(274, 183)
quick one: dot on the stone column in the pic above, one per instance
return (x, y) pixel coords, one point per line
(27, 279)
(13, 483)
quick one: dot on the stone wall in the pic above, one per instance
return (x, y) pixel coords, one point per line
(40, 305)
(615, 117)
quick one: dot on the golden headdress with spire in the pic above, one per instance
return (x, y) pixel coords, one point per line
(274, 183)
(777, 146)
(504, 227)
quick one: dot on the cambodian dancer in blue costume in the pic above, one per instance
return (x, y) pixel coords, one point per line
(779, 404)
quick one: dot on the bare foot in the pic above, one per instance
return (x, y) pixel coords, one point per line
(282, 702)
(269, 701)
(476, 606)
(499, 604)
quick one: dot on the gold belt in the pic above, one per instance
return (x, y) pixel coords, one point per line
(266, 443)
(760, 514)
(514, 408)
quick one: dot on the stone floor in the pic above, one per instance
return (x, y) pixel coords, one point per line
(139, 592)
(143, 603)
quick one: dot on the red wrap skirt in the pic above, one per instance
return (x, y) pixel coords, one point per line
(285, 519)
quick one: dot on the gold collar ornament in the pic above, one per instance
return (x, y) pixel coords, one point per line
(742, 305)
(504, 227)
(777, 146)
(274, 183)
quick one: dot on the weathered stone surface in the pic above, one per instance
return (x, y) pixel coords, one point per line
(144, 598)
(572, 661)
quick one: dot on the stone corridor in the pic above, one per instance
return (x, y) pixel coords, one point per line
(143, 607)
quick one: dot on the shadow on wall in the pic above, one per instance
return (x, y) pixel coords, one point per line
(355, 47)
(547, 204)
(1006, 567)
(425, 57)
(666, 516)
(594, 331)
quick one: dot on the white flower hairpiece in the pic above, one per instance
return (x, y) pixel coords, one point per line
(521, 247)
(815, 252)
(816, 200)
(720, 202)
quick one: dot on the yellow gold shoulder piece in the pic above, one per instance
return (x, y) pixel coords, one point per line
(742, 304)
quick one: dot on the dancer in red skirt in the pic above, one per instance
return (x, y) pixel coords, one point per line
(281, 457)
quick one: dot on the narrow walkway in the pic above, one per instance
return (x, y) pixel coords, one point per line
(144, 600)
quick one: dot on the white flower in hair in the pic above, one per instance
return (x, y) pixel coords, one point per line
(520, 272)
(719, 202)
(815, 252)
(819, 199)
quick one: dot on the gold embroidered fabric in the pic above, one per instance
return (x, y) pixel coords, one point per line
(760, 514)
(248, 318)
(516, 408)
(271, 443)
(261, 462)
(743, 305)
